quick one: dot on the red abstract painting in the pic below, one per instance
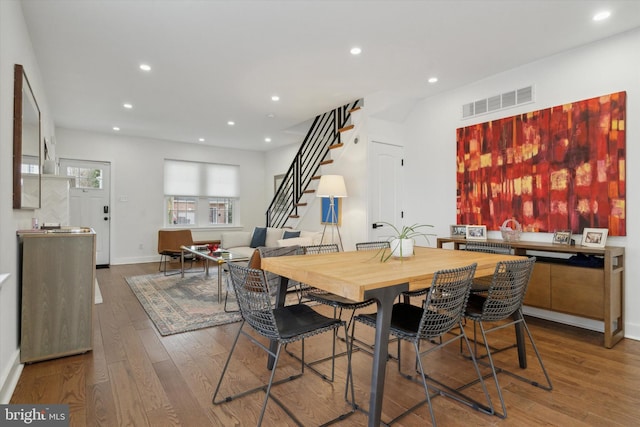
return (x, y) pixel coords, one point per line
(562, 168)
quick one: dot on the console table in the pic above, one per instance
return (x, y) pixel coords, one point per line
(556, 285)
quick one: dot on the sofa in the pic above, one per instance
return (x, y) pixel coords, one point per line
(245, 242)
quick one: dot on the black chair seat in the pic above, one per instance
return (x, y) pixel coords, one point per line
(299, 319)
(405, 319)
(337, 301)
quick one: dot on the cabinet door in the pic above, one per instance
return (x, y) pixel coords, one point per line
(539, 290)
(58, 277)
(578, 290)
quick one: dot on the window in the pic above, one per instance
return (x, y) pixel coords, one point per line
(200, 194)
(85, 177)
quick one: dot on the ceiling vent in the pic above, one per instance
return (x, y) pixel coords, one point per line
(498, 102)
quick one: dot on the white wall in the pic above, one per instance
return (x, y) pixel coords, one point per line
(137, 175)
(608, 66)
(15, 48)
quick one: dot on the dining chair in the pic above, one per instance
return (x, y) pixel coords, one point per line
(443, 311)
(337, 302)
(481, 284)
(503, 304)
(273, 280)
(284, 325)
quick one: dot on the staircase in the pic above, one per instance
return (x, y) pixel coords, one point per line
(300, 181)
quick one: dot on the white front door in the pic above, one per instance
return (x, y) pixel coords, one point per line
(386, 191)
(89, 200)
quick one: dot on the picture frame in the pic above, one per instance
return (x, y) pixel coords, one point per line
(326, 218)
(458, 231)
(476, 232)
(562, 237)
(594, 237)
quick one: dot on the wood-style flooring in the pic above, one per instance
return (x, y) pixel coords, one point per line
(135, 377)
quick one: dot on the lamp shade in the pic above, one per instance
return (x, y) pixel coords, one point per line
(331, 186)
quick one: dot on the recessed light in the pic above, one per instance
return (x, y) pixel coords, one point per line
(275, 98)
(145, 67)
(267, 139)
(355, 51)
(271, 115)
(600, 16)
(231, 123)
(116, 128)
(201, 139)
(432, 79)
(127, 106)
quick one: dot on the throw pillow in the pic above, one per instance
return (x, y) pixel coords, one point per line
(255, 261)
(301, 241)
(290, 234)
(259, 237)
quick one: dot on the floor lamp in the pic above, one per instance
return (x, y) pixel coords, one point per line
(332, 186)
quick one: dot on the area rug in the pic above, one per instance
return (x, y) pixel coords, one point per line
(177, 304)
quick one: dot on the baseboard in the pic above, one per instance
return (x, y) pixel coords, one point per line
(567, 319)
(135, 260)
(10, 378)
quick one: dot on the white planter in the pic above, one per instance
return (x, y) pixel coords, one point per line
(402, 248)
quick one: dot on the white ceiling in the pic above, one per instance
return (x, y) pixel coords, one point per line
(215, 61)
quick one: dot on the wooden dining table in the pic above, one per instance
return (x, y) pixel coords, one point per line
(360, 275)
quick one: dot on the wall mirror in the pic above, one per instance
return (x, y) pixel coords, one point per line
(26, 144)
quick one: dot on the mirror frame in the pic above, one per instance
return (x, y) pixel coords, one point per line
(21, 84)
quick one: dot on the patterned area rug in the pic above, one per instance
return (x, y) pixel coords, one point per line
(177, 304)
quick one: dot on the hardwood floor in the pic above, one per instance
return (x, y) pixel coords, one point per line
(135, 377)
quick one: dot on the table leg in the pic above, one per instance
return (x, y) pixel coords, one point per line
(219, 280)
(280, 300)
(522, 349)
(182, 263)
(385, 298)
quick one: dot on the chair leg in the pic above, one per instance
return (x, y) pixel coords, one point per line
(547, 387)
(333, 356)
(493, 371)
(424, 383)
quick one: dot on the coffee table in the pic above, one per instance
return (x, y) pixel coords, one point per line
(219, 257)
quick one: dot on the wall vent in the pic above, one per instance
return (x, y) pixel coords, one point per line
(509, 99)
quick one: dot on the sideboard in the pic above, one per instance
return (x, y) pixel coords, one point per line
(57, 277)
(561, 286)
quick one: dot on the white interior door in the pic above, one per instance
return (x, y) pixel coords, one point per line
(89, 200)
(386, 190)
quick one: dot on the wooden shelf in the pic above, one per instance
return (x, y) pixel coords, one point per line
(559, 286)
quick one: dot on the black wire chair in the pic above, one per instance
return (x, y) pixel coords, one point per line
(442, 312)
(337, 302)
(504, 301)
(481, 284)
(282, 324)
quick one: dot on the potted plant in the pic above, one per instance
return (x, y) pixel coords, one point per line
(402, 242)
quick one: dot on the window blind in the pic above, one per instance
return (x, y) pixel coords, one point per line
(183, 178)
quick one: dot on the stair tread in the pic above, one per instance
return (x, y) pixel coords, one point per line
(315, 177)
(346, 128)
(338, 145)
(326, 162)
(309, 191)
(301, 204)
(294, 216)
(353, 110)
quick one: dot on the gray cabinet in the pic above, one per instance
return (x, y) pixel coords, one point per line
(57, 292)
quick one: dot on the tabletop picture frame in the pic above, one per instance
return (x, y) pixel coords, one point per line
(562, 237)
(458, 231)
(595, 237)
(476, 232)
